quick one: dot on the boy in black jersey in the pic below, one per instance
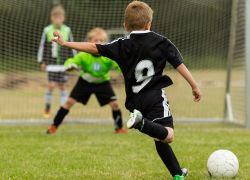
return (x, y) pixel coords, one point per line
(142, 57)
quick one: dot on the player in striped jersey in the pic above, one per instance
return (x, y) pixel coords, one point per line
(52, 56)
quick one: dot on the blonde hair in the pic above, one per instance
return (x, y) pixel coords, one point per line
(96, 31)
(57, 11)
(137, 14)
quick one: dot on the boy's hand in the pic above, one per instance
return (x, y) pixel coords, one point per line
(43, 66)
(71, 67)
(58, 38)
(187, 75)
(197, 94)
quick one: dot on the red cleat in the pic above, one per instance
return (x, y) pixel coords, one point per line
(122, 130)
(51, 129)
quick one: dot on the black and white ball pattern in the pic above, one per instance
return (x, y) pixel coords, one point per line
(222, 163)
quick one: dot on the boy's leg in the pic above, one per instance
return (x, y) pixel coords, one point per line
(117, 118)
(48, 98)
(164, 136)
(64, 94)
(117, 115)
(159, 125)
(61, 113)
(80, 93)
(148, 127)
(105, 95)
(168, 157)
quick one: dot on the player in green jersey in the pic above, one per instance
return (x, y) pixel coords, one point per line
(94, 78)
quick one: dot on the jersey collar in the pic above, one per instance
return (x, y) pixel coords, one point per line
(140, 32)
(56, 27)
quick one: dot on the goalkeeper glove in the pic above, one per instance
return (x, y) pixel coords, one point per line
(71, 67)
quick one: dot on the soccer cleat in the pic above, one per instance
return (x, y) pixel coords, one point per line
(178, 177)
(122, 130)
(135, 120)
(46, 114)
(184, 171)
(184, 174)
(51, 129)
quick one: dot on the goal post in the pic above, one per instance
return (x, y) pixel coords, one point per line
(114, 33)
(228, 112)
(247, 31)
(237, 98)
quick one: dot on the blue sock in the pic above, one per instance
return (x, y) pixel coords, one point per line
(48, 99)
(64, 96)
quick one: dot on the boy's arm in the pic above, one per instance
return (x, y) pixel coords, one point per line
(114, 64)
(187, 75)
(175, 59)
(73, 63)
(74, 60)
(80, 46)
(40, 52)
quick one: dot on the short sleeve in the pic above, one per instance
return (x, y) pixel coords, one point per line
(114, 64)
(173, 55)
(40, 56)
(110, 50)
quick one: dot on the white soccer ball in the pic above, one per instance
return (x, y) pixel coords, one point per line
(222, 163)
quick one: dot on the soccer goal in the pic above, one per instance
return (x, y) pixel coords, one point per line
(211, 36)
(237, 88)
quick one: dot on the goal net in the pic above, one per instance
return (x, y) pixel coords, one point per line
(237, 89)
(200, 30)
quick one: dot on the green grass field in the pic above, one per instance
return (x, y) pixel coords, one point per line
(96, 152)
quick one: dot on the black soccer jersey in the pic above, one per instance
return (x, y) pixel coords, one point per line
(142, 57)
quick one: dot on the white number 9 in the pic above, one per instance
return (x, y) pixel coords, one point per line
(141, 77)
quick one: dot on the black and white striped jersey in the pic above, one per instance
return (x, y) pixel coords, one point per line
(142, 56)
(52, 54)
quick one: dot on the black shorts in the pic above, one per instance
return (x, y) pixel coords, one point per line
(57, 76)
(83, 89)
(154, 106)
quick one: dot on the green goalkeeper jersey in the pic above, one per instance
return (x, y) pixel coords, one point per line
(94, 68)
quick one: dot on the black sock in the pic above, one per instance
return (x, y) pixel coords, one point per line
(154, 130)
(60, 116)
(167, 156)
(117, 115)
(47, 107)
